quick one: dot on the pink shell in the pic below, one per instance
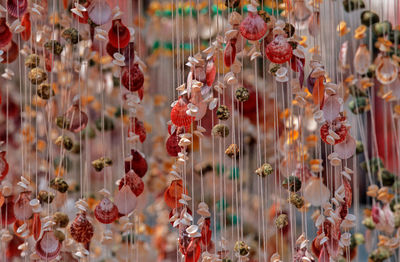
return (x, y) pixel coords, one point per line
(77, 118)
(253, 27)
(99, 12)
(17, 8)
(22, 209)
(125, 200)
(347, 148)
(331, 108)
(48, 247)
(106, 211)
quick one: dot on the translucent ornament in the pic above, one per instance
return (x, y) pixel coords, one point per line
(81, 229)
(5, 33)
(136, 163)
(386, 70)
(197, 100)
(76, 120)
(99, 11)
(301, 12)
(362, 59)
(331, 108)
(36, 226)
(22, 209)
(125, 200)
(347, 148)
(134, 182)
(118, 35)
(106, 211)
(132, 78)
(316, 192)
(314, 24)
(3, 165)
(279, 50)
(17, 8)
(26, 22)
(48, 246)
(253, 26)
(179, 116)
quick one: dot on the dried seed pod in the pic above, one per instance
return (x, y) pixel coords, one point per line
(101, 163)
(296, 200)
(37, 76)
(220, 130)
(369, 18)
(32, 61)
(242, 94)
(62, 122)
(289, 29)
(292, 183)
(61, 219)
(59, 235)
(265, 170)
(264, 15)
(223, 112)
(241, 248)
(65, 141)
(232, 151)
(71, 35)
(54, 47)
(45, 197)
(232, 3)
(59, 184)
(282, 221)
(44, 91)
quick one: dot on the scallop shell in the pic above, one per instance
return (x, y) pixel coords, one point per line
(81, 229)
(77, 119)
(22, 208)
(99, 12)
(136, 163)
(118, 35)
(134, 182)
(48, 247)
(347, 148)
(106, 211)
(17, 8)
(125, 200)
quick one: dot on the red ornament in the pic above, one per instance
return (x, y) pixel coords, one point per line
(172, 145)
(173, 194)
(26, 22)
(230, 53)
(106, 211)
(132, 78)
(10, 54)
(133, 181)
(211, 71)
(48, 247)
(119, 35)
(296, 62)
(253, 27)
(7, 212)
(279, 50)
(5, 33)
(337, 126)
(179, 116)
(136, 163)
(81, 229)
(136, 127)
(17, 8)
(36, 226)
(3, 165)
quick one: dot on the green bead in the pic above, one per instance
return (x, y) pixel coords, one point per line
(382, 28)
(292, 183)
(369, 18)
(54, 46)
(359, 147)
(387, 177)
(359, 105)
(108, 124)
(351, 5)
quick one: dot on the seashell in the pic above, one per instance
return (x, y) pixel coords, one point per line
(347, 148)
(22, 209)
(316, 192)
(3, 167)
(76, 118)
(125, 200)
(179, 116)
(5, 33)
(99, 12)
(118, 35)
(386, 70)
(36, 226)
(17, 8)
(106, 211)
(362, 59)
(279, 50)
(134, 182)
(48, 246)
(26, 23)
(81, 229)
(253, 26)
(132, 78)
(331, 108)
(136, 163)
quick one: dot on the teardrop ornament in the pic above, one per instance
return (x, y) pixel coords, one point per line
(26, 22)
(230, 53)
(36, 226)
(362, 59)
(137, 163)
(119, 35)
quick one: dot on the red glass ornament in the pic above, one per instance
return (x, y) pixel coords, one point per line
(5, 33)
(279, 50)
(133, 181)
(48, 246)
(337, 126)
(26, 22)
(132, 78)
(136, 127)
(129, 54)
(136, 163)
(179, 116)
(172, 145)
(106, 211)
(3, 165)
(7, 211)
(22, 209)
(17, 8)
(230, 53)
(211, 71)
(253, 27)
(119, 35)
(173, 194)
(81, 229)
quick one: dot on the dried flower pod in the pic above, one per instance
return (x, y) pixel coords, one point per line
(64, 141)
(44, 91)
(265, 170)
(54, 47)
(382, 28)
(232, 151)
(81, 229)
(106, 125)
(359, 105)
(71, 35)
(59, 184)
(45, 197)
(296, 200)
(387, 178)
(241, 248)
(289, 29)
(101, 163)
(223, 112)
(282, 221)
(380, 254)
(61, 219)
(59, 235)
(352, 5)
(220, 130)
(37, 76)
(48, 247)
(369, 18)
(106, 211)
(242, 94)
(292, 183)
(32, 61)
